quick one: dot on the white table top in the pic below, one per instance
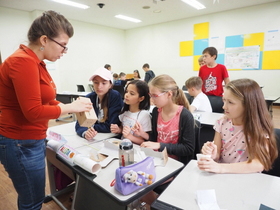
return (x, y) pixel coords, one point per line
(233, 191)
(271, 98)
(207, 118)
(107, 174)
(73, 93)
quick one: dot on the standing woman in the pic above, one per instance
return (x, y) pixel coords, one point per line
(27, 103)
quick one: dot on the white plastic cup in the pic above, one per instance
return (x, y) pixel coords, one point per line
(199, 156)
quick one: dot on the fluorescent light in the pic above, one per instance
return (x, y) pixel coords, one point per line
(195, 4)
(128, 18)
(73, 4)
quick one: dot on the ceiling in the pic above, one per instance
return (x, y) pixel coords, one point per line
(170, 10)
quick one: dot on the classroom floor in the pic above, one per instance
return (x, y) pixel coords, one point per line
(8, 196)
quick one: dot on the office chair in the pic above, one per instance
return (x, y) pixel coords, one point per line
(80, 88)
(275, 171)
(216, 103)
(120, 89)
(184, 87)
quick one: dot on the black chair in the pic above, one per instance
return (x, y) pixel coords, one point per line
(216, 103)
(184, 87)
(80, 88)
(120, 89)
(189, 97)
(275, 171)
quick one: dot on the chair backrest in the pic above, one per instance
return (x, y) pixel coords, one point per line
(184, 87)
(80, 88)
(275, 171)
(120, 89)
(189, 97)
(216, 103)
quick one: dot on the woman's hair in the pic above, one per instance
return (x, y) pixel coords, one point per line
(137, 73)
(257, 123)
(166, 83)
(143, 90)
(51, 24)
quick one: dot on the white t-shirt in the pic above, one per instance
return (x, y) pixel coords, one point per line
(201, 103)
(143, 117)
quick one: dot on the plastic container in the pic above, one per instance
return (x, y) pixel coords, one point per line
(126, 153)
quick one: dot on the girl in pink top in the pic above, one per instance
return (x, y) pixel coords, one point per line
(244, 141)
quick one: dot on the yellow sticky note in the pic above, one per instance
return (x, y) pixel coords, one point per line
(201, 31)
(196, 65)
(186, 48)
(271, 59)
(254, 39)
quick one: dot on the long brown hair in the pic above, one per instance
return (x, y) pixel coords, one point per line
(166, 83)
(257, 123)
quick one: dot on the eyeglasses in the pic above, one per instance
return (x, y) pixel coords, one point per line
(156, 95)
(65, 49)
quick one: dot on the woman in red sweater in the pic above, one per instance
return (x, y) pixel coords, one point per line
(27, 103)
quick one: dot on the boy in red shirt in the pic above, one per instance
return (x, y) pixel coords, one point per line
(213, 74)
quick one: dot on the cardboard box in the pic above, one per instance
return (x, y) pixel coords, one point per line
(86, 119)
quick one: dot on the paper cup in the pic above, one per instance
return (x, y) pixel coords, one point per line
(198, 156)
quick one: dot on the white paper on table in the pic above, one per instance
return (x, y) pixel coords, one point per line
(206, 200)
(87, 164)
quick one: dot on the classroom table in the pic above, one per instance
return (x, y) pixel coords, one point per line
(94, 191)
(233, 191)
(207, 118)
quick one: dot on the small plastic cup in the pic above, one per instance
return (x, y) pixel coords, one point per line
(199, 156)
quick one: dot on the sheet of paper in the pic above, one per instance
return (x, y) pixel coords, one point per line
(206, 200)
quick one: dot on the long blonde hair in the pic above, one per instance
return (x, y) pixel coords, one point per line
(166, 83)
(257, 123)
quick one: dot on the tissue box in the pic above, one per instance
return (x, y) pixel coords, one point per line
(86, 119)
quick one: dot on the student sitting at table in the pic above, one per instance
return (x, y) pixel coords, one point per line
(200, 101)
(107, 104)
(172, 122)
(244, 141)
(135, 113)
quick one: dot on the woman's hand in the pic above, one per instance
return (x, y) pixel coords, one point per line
(81, 105)
(90, 133)
(115, 128)
(209, 165)
(209, 148)
(151, 145)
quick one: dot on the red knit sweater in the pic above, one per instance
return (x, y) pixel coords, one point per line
(27, 96)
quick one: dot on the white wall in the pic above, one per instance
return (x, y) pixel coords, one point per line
(93, 46)
(159, 44)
